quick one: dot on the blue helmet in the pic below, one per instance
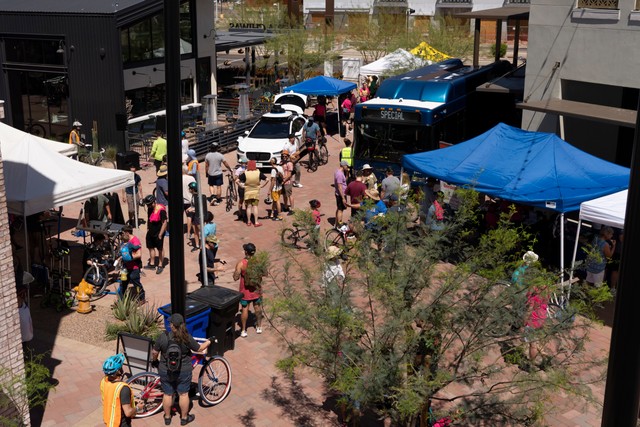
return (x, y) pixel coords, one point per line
(183, 134)
(113, 364)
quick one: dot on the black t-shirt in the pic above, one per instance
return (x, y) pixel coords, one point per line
(125, 397)
(211, 277)
(162, 344)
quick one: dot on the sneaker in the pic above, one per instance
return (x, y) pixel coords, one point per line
(185, 421)
(276, 218)
(297, 185)
(195, 248)
(159, 270)
(258, 330)
(243, 334)
(290, 213)
(149, 267)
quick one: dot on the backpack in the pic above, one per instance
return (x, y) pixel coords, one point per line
(279, 177)
(125, 252)
(173, 356)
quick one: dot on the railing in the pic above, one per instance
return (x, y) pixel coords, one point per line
(598, 4)
(518, 1)
(467, 2)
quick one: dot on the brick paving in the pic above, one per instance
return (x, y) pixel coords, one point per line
(260, 395)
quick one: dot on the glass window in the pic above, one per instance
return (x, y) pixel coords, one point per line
(140, 41)
(271, 128)
(146, 100)
(34, 51)
(598, 4)
(186, 39)
(388, 142)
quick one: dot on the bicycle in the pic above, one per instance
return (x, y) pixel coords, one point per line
(312, 161)
(36, 129)
(291, 236)
(214, 383)
(100, 276)
(232, 192)
(342, 237)
(323, 152)
(95, 158)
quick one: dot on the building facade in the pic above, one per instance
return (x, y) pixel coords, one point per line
(581, 80)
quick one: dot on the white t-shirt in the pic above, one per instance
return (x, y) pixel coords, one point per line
(185, 148)
(333, 271)
(186, 194)
(274, 173)
(291, 147)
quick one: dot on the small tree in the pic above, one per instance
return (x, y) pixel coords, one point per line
(407, 333)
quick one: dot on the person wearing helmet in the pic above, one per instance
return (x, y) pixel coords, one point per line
(118, 407)
(193, 213)
(156, 227)
(213, 162)
(185, 148)
(74, 135)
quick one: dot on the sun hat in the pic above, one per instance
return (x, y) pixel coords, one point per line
(163, 170)
(373, 194)
(333, 252)
(176, 319)
(211, 238)
(366, 166)
(530, 257)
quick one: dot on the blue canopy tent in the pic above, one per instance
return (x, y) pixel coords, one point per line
(532, 168)
(321, 85)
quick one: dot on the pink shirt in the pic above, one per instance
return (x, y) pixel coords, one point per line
(339, 181)
(538, 309)
(249, 293)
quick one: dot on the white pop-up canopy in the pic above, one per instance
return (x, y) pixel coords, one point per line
(606, 210)
(12, 134)
(38, 178)
(399, 58)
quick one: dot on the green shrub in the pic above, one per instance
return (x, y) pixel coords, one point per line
(110, 152)
(141, 321)
(503, 50)
(124, 306)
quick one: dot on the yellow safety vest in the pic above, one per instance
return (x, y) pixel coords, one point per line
(111, 406)
(345, 154)
(71, 136)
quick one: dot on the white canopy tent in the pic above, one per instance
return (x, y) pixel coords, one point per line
(399, 58)
(607, 210)
(12, 134)
(38, 178)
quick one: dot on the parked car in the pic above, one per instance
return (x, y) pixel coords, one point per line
(267, 137)
(292, 101)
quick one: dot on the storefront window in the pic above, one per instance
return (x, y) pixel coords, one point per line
(146, 100)
(144, 40)
(33, 51)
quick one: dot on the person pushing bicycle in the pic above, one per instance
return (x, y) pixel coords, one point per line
(118, 406)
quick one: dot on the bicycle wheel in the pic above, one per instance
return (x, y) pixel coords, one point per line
(289, 237)
(231, 197)
(85, 158)
(324, 155)
(37, 130)
(214, 381)
(106, 163)
(334, 238)
(97, 276)
(312, 163)
(145, 387)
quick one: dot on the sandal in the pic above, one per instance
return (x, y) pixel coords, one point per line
(185, 421)
(167, 421)
(249, 224)
(258, 224)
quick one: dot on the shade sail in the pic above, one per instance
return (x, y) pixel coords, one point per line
(533, 168)
(322, 85)
(8, 132)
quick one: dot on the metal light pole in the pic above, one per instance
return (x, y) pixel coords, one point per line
(408, 12)
(622, 392)
(174, 152)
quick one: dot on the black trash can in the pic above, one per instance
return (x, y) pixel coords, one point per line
(224, 307)
(127, 160)
(197, 316)
(332, 123)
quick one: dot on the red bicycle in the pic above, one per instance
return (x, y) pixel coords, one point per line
(214, 384)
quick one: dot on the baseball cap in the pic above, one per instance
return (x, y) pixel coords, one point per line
(366, 166)
(344, 163)
(176, 319)
(249, 248)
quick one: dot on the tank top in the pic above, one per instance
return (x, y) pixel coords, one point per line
(248, 292)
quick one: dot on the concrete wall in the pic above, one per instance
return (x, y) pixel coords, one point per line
(595, 47)
(11, 356)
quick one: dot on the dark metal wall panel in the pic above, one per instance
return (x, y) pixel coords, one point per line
(96, 85)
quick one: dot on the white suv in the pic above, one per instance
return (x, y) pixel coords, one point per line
(267, 137)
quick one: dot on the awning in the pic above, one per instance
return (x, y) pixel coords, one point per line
(512, 83)
(508, 12)
(583, 110)
(227, 40)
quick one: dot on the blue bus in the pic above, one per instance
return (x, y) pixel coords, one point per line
(422, 109)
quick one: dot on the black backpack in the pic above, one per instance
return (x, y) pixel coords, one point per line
(173, 356)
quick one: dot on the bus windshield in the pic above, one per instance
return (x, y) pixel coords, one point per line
(385, 142)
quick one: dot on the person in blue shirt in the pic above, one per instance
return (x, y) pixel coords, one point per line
(311, 130)
(379, 208)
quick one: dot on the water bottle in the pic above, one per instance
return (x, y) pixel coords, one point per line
(123, 275)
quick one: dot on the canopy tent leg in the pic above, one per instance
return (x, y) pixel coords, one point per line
(573, 259)
(562, 257)
(135, 207)
(26, 237)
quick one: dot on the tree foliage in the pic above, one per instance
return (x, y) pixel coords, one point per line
(430, 321)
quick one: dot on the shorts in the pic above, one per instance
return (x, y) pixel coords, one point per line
(179, 382)
(340, 203)
(215, 181)
(240, 194)
(288, 189)
(275, 195)
(252, 202)
(245, 302)
(130, 205)
(595, 278)
(153, 242)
